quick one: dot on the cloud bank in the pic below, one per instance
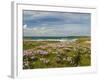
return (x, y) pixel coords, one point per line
(41, 23)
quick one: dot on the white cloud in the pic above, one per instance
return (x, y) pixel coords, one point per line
(28, 15)
(65, 30)
(35, 14)
(65, 27)
(34, 29)
(25, 26)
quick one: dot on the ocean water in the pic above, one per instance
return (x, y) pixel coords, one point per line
(69, 38)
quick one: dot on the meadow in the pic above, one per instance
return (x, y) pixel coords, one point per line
(55, 54)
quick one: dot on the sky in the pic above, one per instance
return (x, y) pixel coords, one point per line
(46, 23)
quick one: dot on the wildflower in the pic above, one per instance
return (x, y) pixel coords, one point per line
(34, 58)
(42, 52)
(26, 65)
(41, 59)
(64, 59)
(44, 60)
(69, 59)
(27, 53)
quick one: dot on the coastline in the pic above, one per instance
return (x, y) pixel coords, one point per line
(61, 40)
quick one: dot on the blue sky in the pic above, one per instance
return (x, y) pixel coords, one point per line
(41, 23)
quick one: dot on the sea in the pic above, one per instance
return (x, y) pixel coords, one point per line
(54, 38)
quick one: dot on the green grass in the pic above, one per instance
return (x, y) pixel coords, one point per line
(31, 44)
(77, 54)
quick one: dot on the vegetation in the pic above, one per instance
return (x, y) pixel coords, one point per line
(54, 54)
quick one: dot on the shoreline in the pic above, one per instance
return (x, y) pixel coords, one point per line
(61, 40)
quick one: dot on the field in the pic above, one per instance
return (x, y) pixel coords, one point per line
(55, 54)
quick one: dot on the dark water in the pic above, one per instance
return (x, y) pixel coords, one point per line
(54, 38)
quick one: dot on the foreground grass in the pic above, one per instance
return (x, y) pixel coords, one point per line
(53, 54)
